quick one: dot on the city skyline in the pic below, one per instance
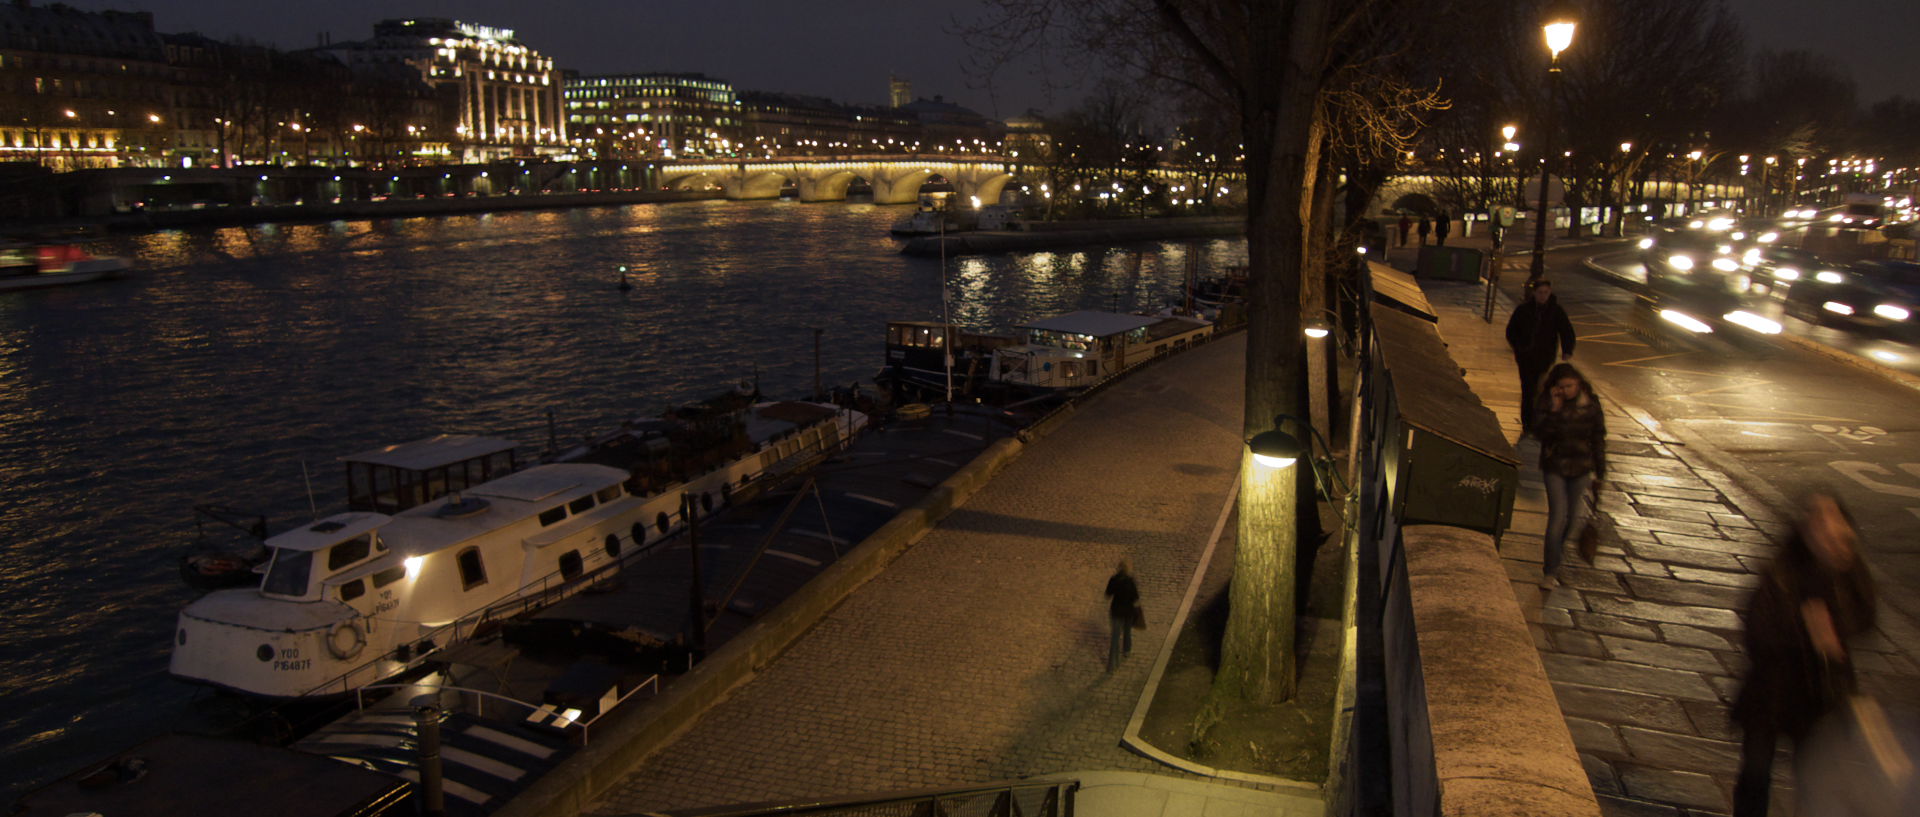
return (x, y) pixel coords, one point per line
(782, 49)
(808, 43)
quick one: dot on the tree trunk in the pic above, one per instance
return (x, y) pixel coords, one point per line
(1279, 115)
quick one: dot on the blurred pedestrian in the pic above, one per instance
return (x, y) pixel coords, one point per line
(1442, 225)
(1406, 224)
(1573, 458)
(1537, 328)
(1123, 608)
(1426, 227)
(1814, 598)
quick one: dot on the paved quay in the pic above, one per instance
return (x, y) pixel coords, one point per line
(1642, 646)
(979, 654)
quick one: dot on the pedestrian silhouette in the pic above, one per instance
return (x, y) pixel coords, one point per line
(1406, 224)
(1442, 225)
(1573, 457)
(1425, 228)
(1123, 608)
(1537, 328)
(1814, 598)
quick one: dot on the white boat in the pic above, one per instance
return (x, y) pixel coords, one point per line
(1079, 349)
(364, 595)
(32, 265)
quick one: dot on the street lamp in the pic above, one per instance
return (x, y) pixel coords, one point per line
(1693, 180)
(1559, 34)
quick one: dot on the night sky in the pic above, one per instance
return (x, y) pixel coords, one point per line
(845, 49)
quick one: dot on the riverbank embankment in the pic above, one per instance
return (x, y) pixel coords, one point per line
(1047, 235)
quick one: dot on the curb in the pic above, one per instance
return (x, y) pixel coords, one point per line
(1131, 737)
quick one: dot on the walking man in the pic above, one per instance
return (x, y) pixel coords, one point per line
(1536, 330)
(1121, 611)
(1441, 226)
(1426, 227)
(1406, 223)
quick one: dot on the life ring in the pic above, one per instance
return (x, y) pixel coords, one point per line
(351, 649)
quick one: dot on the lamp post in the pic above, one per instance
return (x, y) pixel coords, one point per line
(1559, 36)
(1693, 180)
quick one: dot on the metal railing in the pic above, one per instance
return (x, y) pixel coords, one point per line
(1016, 799)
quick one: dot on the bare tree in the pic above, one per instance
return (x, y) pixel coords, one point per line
(1270, 62)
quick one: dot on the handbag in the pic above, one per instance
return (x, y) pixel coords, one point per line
(1589, 545)
(1139, 618)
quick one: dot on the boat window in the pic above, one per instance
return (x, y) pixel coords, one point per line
(473, 572)
(352, 590)
(1093, 368)
(581, 504)
(552, 515)
(389, 576)
(348, 552)
(608, 494)
(287, 576)
(570, 565)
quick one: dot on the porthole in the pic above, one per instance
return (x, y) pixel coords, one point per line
(613, 544)
(265, 653)
(181, 639)
(661, 522)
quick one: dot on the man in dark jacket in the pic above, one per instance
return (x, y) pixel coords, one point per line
(1442, 224)
(1537, 329)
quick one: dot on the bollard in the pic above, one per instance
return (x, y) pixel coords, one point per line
(426, 719)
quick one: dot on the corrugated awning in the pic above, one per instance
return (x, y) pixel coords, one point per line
(1399, 290)
(1430, 390)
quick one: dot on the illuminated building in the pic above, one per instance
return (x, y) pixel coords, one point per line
(507, 95)
(81, 89)
(658, 114)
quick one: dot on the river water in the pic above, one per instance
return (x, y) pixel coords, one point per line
(236, 361)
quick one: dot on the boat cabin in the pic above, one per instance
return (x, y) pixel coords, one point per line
(1080, 349)
(916, 356)
(393, 478)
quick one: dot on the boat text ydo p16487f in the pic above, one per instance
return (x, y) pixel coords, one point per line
(434, 552)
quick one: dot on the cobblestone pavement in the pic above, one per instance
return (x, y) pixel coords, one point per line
(1642, 646)
(979, 654)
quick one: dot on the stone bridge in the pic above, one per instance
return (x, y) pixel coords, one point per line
(895, 179)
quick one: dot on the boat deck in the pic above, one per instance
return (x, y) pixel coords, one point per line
(506, 696)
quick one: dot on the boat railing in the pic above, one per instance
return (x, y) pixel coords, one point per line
(480, 696)
(650, 685)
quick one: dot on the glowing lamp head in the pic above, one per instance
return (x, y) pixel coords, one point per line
(1508, 132)
(412, 564)
(1274, 449)
(1559, 36)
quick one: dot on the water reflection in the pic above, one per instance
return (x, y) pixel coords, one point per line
(237, 357)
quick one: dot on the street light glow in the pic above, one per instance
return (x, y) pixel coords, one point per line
(1559, 37)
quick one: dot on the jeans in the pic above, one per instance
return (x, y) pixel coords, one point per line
(1566, 515)
(1122, 641)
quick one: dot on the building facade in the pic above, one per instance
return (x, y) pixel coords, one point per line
(505, 96)
(791, 125)
(82, 89)
(654, 115)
